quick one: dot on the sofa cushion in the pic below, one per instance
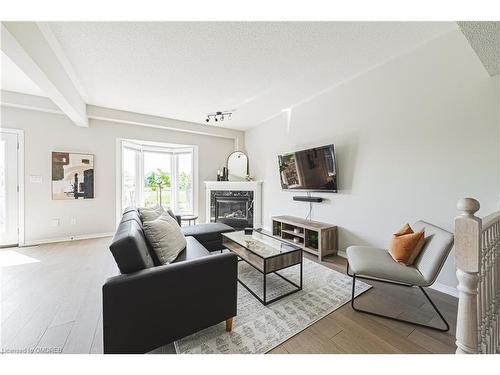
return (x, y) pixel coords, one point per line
(130, 249)
(193, 250)
(165, 237)
(207, 232)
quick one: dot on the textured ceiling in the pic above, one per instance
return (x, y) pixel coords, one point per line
(14, 79)
(484, 37)
(183, 70)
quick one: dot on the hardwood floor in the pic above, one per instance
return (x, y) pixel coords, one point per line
(348, 331)
(54, 304)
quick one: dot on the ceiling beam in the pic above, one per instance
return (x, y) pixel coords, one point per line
(27, 101)
(25, 44)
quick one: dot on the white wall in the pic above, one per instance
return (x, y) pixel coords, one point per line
(412, 137)
(47, 132)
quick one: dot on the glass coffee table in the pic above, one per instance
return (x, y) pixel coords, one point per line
(267, 255)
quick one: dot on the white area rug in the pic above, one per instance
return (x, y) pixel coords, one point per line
(257, 329)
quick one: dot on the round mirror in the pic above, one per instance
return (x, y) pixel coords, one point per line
(237, 165)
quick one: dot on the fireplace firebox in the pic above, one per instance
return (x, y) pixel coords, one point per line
(232, 207)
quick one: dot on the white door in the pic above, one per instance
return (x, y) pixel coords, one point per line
(9, 208)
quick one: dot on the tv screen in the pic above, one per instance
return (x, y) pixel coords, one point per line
(313, 169)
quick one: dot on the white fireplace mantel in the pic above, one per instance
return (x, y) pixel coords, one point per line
(255, 186)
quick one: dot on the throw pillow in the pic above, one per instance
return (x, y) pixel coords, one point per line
(166, 238)
(405, 230)
(149, 213)
(172, 215)
(404, 248)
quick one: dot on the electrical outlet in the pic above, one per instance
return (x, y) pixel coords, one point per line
(73, 221)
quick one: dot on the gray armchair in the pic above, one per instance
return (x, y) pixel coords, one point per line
(377, 264)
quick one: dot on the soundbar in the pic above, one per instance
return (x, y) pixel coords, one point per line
(307, 199)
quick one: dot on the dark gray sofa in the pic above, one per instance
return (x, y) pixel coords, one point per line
(210, 235)
(150, 305)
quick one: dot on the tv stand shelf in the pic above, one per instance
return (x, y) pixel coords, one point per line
(314, 237)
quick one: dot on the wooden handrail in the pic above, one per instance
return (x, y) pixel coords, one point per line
(490, 220)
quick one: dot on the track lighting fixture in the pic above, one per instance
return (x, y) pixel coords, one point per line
(219, 116)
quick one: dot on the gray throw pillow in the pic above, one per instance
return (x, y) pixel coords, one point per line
(172, 215)
(166, 238)
(150, 213)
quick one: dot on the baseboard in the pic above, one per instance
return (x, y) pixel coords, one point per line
(446, 289)
(69, 238)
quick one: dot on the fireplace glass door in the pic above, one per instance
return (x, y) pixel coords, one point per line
(232, 208)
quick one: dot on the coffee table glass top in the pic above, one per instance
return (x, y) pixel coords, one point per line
(260, 244)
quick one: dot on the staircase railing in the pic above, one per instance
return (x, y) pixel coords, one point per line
(477, 258)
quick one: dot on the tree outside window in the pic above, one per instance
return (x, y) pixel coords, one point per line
(154, 182)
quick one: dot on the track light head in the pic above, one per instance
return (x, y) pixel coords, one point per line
(219, 116)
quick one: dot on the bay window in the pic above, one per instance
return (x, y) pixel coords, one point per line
(158, 174)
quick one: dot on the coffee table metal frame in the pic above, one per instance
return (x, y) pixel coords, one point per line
(265, 272)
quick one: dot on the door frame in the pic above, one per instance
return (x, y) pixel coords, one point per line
(20, 181)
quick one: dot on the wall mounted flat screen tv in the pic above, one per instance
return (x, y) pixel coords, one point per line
(309, 170)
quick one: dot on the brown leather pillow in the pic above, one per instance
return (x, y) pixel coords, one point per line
(404, 248)
(405, 230)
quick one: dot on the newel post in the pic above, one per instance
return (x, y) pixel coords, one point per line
(467, 257)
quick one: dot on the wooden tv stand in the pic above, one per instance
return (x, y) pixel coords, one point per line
(314, 237)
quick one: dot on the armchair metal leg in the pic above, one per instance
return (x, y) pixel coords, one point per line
(397, 319)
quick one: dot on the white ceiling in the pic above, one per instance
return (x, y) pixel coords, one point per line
(14, 79)
(184, 70)
(484, 37)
